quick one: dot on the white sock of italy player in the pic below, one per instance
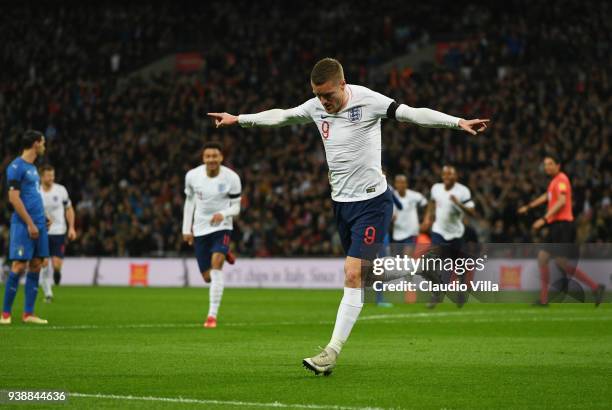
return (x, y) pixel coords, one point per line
(46, 281)
(215, 292)
(348, 312)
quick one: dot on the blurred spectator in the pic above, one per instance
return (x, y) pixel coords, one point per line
(542, 72)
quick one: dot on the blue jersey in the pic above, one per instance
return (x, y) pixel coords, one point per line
(23, 176)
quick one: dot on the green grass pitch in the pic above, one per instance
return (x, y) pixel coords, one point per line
(145, 348)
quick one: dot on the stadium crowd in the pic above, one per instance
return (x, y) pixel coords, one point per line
(122, 148)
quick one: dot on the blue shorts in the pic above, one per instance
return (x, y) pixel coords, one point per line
(437, 239)
(57, 245)
(24, 248)
(411, 240)
(447, 248)
(362, 224)
(206, 245)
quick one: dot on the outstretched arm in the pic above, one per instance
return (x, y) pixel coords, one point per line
(541, 200)
(270, 118)
(426, 117)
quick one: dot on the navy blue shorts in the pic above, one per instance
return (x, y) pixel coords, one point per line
(24, 248)
(362, 224)
(437, 239)
(411, 240)
(57, 245)
(447, 248)
(206, 245)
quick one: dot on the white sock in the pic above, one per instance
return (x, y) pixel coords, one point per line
(46, 281)
(348, 312)
(215, 292)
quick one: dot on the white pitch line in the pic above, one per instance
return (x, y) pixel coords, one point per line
(95, 327)
(506, 320)
(182, 400)
(428, 314)
(245, 324)
(229, 324)
(414, 317)
(460, 313)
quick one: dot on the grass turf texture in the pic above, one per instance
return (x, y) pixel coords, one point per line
(149, 342)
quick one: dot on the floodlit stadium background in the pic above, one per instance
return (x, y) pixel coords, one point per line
(121, 92)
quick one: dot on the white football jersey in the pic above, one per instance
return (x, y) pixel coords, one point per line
(211, 195)
(449, 217)
(352, 141)
(56, 200)
(406, 222)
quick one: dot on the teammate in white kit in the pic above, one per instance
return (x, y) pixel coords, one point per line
(450, 202)
(59, 210)
(406, 220)
(212, 201)
(348, 119)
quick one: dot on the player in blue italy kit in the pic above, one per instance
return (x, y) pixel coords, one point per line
(29, 244)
